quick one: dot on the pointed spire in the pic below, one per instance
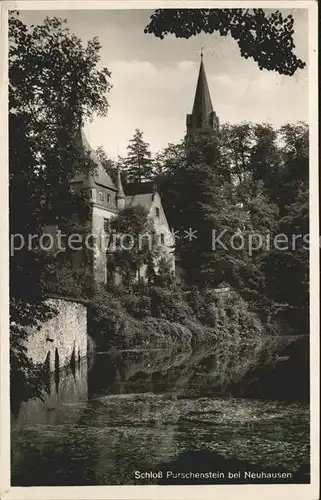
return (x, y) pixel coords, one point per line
(202, 107)
(203, 118)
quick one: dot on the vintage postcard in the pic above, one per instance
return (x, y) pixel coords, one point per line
(159, 293)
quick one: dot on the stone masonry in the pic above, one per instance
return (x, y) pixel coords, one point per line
(62, 337)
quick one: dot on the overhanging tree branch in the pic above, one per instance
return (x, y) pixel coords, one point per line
(268, 39)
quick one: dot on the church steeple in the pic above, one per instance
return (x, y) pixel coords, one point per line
(203, 118)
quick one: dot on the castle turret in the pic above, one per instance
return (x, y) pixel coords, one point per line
(120, 197)
(203, 118)
(101, 192)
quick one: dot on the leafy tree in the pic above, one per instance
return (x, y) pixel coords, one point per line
(165, 276)
(255, 160)
(138, 165)
(169, 159)
(133, 244)
(256, 184)
(288, 269)
(267, 38)
(54, 85)
(293, 178)
(265, 159)
(235, 146)
(204, 148)
(197, 195)
(252, 154)
(273, 189)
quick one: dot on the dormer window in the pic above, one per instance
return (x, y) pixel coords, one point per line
(157, 212)
(101, 196)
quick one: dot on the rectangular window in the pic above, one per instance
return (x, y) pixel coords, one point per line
(106, 225)
(93, 195)
(108, 198)
(157, 212)
(101, 196)
(162, 238)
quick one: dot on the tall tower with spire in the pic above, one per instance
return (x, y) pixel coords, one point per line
(203, 119)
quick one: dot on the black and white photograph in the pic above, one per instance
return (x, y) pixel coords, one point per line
(160, 181)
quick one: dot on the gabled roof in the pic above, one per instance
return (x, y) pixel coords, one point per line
(100, 176)
(145, 199)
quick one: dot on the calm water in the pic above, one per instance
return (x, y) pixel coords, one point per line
(157, 411)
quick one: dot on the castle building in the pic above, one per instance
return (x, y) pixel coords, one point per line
(107, 199)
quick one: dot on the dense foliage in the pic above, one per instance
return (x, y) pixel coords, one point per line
(267, 38)
(244, 193)
(136, 245)
(248, 180)
(54, 85)
(253, 192)
(145, 315)
(138, 165)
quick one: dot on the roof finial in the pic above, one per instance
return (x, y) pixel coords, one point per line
(202, 51)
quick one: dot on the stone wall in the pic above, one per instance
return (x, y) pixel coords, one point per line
(62, 338)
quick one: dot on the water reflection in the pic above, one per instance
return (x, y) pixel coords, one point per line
(160, 410)
(63, 402)
(273, 368)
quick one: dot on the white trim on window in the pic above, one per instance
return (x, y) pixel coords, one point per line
(93, 195)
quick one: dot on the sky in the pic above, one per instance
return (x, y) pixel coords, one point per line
(154, 80)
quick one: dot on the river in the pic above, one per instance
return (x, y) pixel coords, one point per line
(164, 413)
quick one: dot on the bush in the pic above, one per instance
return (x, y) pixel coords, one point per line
(68, 282)
(226, 312)
(168, 304)
(235, 317)
(202, 303)
(124, 316)
(105, 319)
(138, 306)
